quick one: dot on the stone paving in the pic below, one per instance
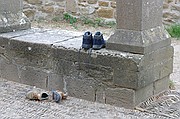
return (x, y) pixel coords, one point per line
(13, 104)
(175, 76)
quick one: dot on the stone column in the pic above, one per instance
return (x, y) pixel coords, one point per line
(139, 27)
(12, 17)
(140, 33)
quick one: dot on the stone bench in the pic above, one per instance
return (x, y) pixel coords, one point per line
(135, 65)
(51, 59)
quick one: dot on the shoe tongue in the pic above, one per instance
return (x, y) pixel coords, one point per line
(98, 37)
(87, 33)
(98, 34)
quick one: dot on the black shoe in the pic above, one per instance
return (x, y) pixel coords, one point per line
(87, 40)
(98, 41)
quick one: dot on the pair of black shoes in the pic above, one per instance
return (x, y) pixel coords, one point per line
(97, 42)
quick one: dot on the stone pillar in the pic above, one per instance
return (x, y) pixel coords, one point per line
(12, 17)
(140, 33)
(139, 27)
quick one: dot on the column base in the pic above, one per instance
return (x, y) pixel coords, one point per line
(139, 42)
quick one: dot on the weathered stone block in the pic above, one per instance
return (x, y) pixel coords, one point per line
(161, 85)
(16, 34)
(12, 6)
(69, 55)
(35, 77)
(105, 12)
(165, 6)
(103, 3)
(98, 72)
(120, 97)
(34, 1)
(92, 1)
(87, 10)
(83, 5)
(137, 80)
(85, 70)
(127, 79)
(166, 69)
(127, 98)
(141, 42)
(71, 6)
(9, 71)
(48, 9)
(113, 4)
(31, 48)
(162, 69)
(168, 1)
(82, 0)
(157, 56)
(45, 36)
(29, 13)
(139, 15)
(61, 3)
(62, 67)
(144, 93)
(30, 54)
(55, 82)
(81, 88)
(100, 94)
(59, 11)
(114, 59)
(93, 65)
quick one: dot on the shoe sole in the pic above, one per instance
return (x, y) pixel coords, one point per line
(98, 47)
(86, 46)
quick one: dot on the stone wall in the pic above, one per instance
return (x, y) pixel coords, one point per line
(91, 8)
(50, 59)
(171, 13)
(47, 9)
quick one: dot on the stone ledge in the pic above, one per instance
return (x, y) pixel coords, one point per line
(51, 59)
(128, 70)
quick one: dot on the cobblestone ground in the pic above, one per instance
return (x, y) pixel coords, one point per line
(14, 105)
